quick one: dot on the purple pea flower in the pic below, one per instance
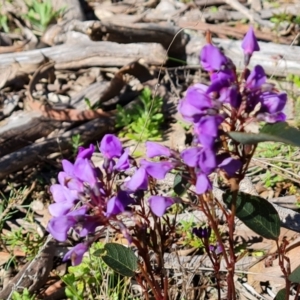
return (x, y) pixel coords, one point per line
(111, 146)
(123, 163)
(207, 160)
(118, 204)
(212, 59)
(86, 152)
(68, 177)
(249, 45)
(84, 171)
(191, 156)
(195, 103)
(229, 164)
(203, 184)
(207, 129)
(217, 249)
(59, 226)
(76, 253)
(157, 170)
(138, 181)
(154, 149)
(159, 204)
(271, 107)
(64, 198)
(256, 78)
(202, 232)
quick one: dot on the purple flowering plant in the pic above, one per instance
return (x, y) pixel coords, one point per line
(124, 196)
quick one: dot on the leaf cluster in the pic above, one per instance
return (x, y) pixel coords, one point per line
(93, 278)
(41, 14)
(144, 120)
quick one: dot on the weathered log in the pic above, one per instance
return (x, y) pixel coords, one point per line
(278, 60)
(84, 54)
(30, 155)
(116, 30)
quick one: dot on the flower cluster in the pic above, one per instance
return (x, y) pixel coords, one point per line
(230, 101)
(87, 196)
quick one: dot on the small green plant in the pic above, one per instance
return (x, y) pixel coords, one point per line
(25, 295)
(295, 79)
(76, 142)
(185, 229)
(4, 23)
(93, 278)
(143, 121)
(41, 13)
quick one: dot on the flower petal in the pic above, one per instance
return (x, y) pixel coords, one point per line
(154, 149)
(111, 146)
(159, 204)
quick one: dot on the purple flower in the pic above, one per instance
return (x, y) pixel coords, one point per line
(61, 193)
(86, 152)
(118, 204)
(191, 156)
(76, 254)
(207, 160)
(231, 95)
(155, 149)
(202, 232)
(59, 226)
(68, 178)
(64, 198)
(138, 181)
(111, 146)
(250, 43)
(84, 171)
(159, 204)
(273, 103)
(228, 164)
(278, 117)
(212, 59)
(207, 129)
(195, 103)
(123, 162)
(203, 184)
(158, 170)
(217, 249)
(256, 78)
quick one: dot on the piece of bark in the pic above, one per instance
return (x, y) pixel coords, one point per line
(33, 275)
(84, 54)
(237, 32)
(117, 30)
(29, 155)
(278, 60)
(72, 9)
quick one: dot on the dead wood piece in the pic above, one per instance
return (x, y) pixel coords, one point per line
(73, 10)
(278, 60)
(22, 129)
(237, 32)
(117, 30)
(285, 8)
(29, 155)
(33, 275)
(67, 114)
(145, 33)
(85, 54)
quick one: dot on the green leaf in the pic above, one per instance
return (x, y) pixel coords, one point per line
(278, 132)
(180, 184)
(257, 213)
(120, 258)
(295, 275)
(280, 295)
